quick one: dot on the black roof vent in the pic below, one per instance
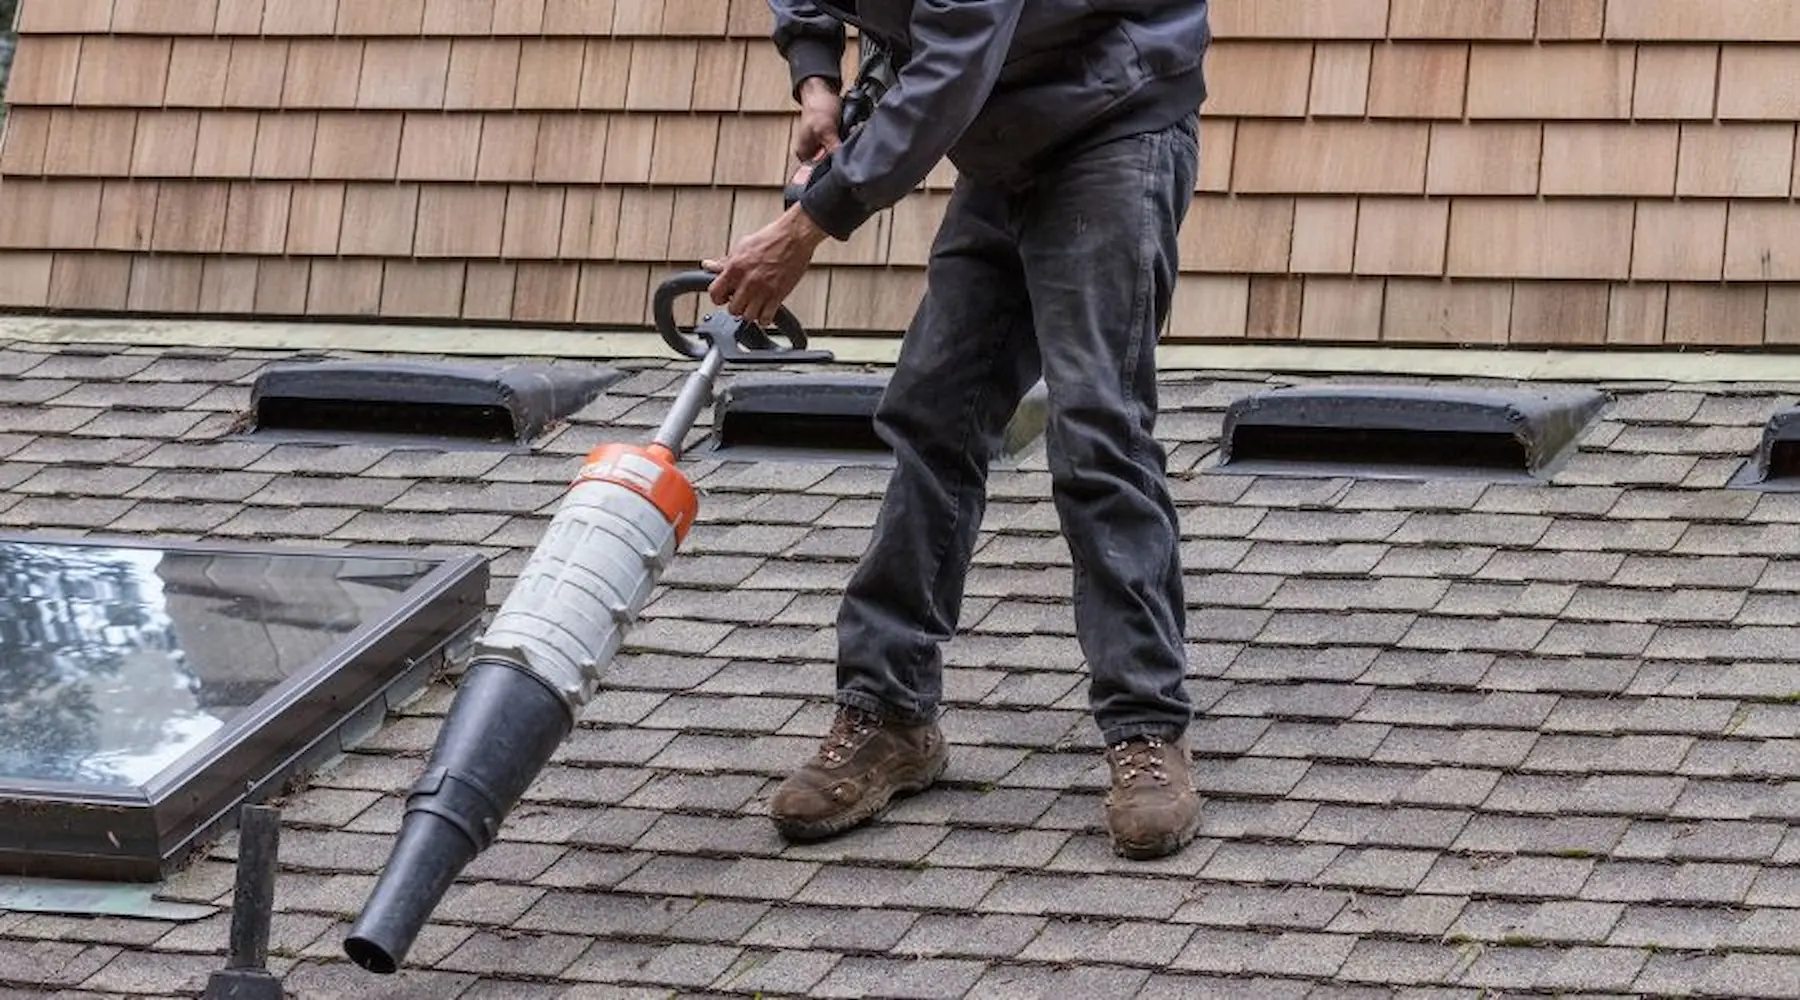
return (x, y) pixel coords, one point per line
(1027, 425)
(334, 401)
(1403, 431)
(1776, 466)
(799, 416)
(827, 417)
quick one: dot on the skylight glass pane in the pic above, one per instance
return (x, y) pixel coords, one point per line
(163, 683)
(116, 662)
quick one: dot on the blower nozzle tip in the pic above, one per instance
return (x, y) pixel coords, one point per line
(501, 730)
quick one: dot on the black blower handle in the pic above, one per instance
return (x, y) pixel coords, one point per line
(738, 341)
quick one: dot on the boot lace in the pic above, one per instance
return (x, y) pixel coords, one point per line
(849, 730)
(1141, 757)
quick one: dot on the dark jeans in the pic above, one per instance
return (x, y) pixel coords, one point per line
(1070, 280)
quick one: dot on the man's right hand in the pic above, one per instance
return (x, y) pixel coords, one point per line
(820, 107)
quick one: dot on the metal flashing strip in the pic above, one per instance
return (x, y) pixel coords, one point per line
(1601, 365)
(72, 897)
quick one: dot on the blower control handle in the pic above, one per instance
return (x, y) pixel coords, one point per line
(737, 341)
(875, 76)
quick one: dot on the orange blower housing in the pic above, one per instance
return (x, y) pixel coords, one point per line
(650, 472)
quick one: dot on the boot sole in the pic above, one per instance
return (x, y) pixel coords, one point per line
(864, 811)
(1160, 848)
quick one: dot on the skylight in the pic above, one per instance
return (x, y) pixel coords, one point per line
(147, 690)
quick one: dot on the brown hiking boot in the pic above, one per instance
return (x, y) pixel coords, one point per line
(1153, 809)
(863, 763)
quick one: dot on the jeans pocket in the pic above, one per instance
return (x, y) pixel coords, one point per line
(1189, 128)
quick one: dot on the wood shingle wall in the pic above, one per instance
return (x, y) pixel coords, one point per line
(1467, 171)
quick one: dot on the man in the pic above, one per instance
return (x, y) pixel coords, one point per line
(1073, 127)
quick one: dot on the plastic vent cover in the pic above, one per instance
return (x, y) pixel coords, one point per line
(831, 417)
(1776, 464)
(770, 416)
(335, 401)
(1404, 431)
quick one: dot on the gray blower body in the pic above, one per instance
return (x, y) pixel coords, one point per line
(582, 588)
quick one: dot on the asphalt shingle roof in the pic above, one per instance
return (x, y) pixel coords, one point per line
(1456, 737)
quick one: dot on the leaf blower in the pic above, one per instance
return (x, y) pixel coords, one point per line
(541, 660)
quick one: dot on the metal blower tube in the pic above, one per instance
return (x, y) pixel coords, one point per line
(531, 673)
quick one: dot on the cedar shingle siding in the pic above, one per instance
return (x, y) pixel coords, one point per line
(1581, 172)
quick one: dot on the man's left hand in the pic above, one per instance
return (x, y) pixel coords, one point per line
(760, 272)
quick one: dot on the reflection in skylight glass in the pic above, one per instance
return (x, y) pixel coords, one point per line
(116, 662)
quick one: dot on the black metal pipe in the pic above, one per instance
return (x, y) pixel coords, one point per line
(245, 976)
(501, 730)
(696, 393)
(253, 900)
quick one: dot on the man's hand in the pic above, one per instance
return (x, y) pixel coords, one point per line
(763, 268)
(820, 107)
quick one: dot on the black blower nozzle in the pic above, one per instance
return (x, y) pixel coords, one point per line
(502, 729)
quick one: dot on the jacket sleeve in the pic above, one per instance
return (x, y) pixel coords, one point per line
(957, 50)
(810, 41)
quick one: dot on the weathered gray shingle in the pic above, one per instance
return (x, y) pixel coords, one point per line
(1452, 735)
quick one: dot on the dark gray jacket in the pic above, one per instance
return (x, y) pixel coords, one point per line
(998, 86)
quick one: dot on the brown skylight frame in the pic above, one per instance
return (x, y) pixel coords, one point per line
(145, 831)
